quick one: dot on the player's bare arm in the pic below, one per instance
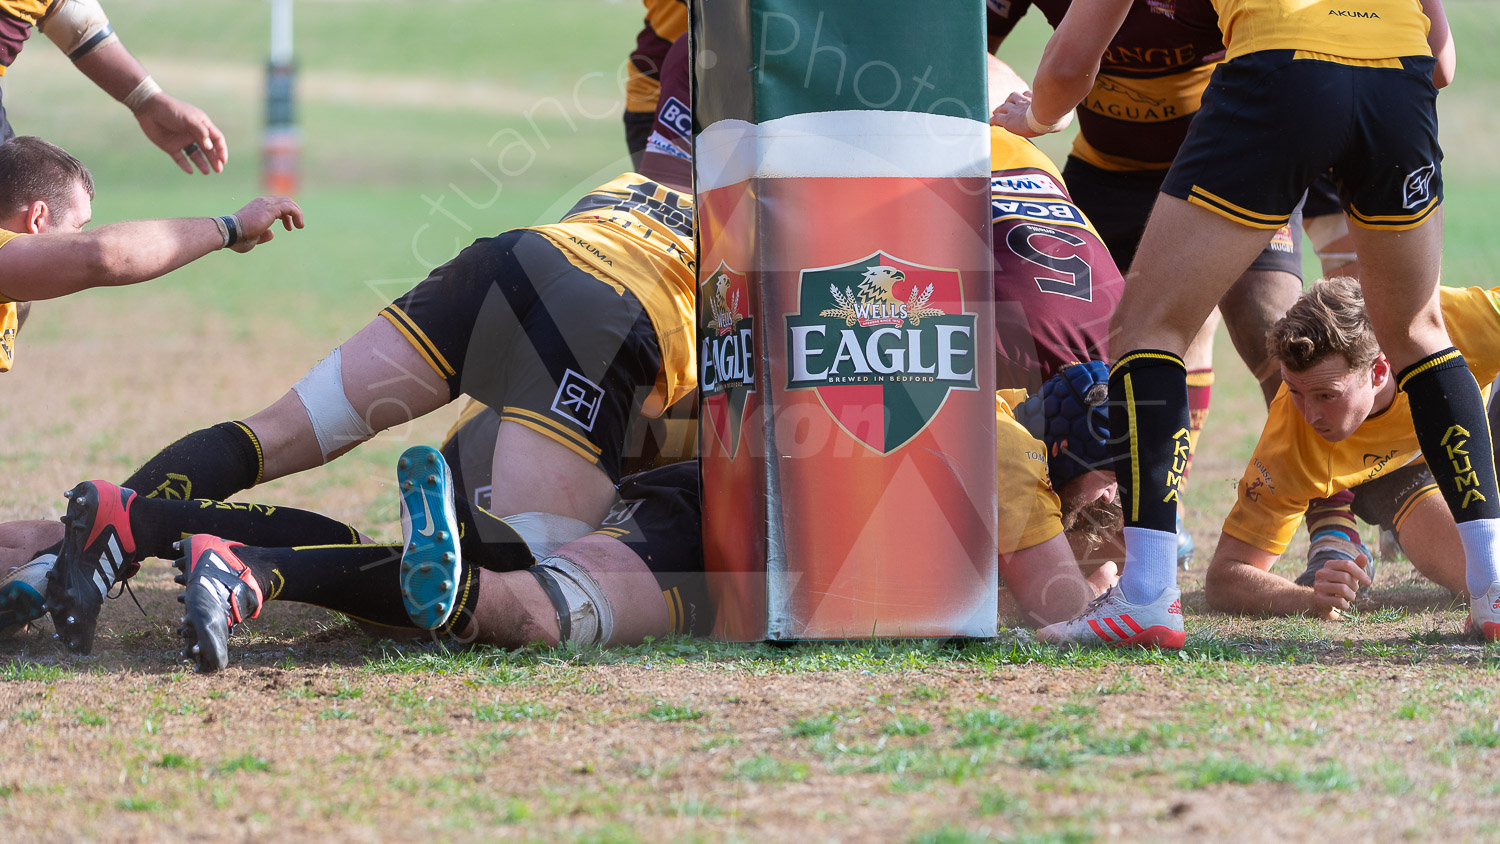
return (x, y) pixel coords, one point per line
(1240, 581)
(1067, 70)
(81, 30)
(49, 265)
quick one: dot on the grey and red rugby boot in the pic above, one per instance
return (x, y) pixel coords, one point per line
(98, 551)
(221, 592)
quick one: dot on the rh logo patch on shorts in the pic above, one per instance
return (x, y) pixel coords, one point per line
(1417, 191)
(578, 399)
(622, 512)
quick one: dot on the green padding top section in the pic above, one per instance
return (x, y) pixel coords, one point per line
(757, 60)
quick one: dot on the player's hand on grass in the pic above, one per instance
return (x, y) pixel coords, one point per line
(257, 220)
(1337, 583)
(185, 133)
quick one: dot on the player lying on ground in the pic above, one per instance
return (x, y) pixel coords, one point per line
(571, 330)
(1340, 424)
(462, 581)
(46, 198)
(82, 31)
(641, 573)
(1233, 183)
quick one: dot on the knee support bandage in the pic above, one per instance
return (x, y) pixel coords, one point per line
(584, 616)
(335, 421)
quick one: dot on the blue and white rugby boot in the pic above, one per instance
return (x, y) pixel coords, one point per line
(429, 532)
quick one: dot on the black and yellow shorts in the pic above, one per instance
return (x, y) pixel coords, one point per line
(1118, 203)
(659, 515)
(516, 325)
(1273, 121)
(1389, 499)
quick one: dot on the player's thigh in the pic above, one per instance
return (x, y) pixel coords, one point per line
(1399, 274)
(1256, 301)
(536, 472)
(1430, 540)
(1187, 259)
(385, 383)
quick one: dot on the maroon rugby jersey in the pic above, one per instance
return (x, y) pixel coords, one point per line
(1055, 284)
(1150, 81)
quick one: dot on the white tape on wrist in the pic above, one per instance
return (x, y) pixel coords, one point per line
(1044, 128)
(141, 93)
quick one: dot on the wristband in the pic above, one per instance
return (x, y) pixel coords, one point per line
(141, 93)
(1043, 128)
(223, 231)
(230, 223)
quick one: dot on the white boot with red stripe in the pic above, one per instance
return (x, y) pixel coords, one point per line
(1112, 621)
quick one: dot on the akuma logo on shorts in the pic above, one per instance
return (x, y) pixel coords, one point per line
(726, 360)
(883, 342)
(1417, 190)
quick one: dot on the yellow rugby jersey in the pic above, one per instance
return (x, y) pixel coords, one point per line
(9, 318)
(1351, 29)
(637, 235)
(1292, 465)
(1016, 194)
(1030, 512)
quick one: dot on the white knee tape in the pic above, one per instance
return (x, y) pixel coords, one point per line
(334, 420)
(592, 618)
(544, 533)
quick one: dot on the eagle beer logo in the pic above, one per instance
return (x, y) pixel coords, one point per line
(883, 342)
(727, 357)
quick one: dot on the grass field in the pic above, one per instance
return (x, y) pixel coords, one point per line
(1383, 726)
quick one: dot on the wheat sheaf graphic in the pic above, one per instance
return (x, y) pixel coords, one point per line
(916, 306)
(845, 310)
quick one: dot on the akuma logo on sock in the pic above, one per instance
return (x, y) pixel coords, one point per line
(1465, 479)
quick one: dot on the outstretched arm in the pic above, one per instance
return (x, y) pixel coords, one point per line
(1239, 581)
(1067, 70)
(46, 266)
(80, 29)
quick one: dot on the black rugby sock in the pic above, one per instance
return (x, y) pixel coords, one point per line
(213, 463)
(360, 581)
(156, 523)
(1148, 396)
(1448, 414)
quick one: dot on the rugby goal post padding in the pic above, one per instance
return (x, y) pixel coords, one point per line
(845, 318)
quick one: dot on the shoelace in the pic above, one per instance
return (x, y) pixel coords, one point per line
(125, 589)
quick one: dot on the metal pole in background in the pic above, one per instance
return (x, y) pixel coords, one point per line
(281, 144)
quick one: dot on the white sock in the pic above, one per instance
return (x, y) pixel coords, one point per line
(1481, 539)
(1150, 564)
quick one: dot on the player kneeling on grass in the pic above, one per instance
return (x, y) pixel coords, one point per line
(1340, 422)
